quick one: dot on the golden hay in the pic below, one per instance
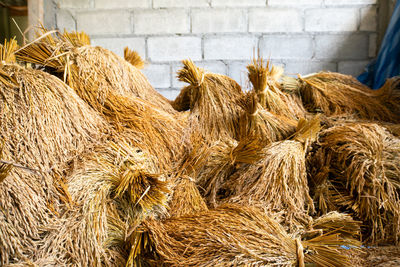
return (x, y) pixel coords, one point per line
(356, 169)
(118, 91)
(337, 94)
(278, 181)
(114, 188)
(233, 235)
(99, 71)
(134, 58)
(258, 123)
(212, 101)
(7, 51)
(266, 85)
(186, 198)
(45, 125)
(248, 172)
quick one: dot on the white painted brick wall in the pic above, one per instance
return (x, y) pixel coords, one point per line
(354, 68)
(63, 4)
(292, 68)
(65, 18)
(223, 35)
(331, 19)
(339, 46)
(115, 4)
(218, 20)
(369, 19)
(238, 3)
(104, 22)
(173, 48)
(294, 2)
(162, 21)
(229, 47)
(350, 2)
(159, 75)
(287, 46)
(180, 3)
(118, 44)
(275, 20)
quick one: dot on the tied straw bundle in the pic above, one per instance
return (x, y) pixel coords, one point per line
(45, 126)
(134, 58)
(211, 99)
(356, 169)
(115, 188)
(233, 235)
(336, 94)
(266, 85)
(115, 89)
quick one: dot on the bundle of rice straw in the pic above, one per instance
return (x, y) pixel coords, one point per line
(336, 94)
(45, 125)
(258, 123)
(212, 100)
(186, 198)
(99, 69)
(248, 172)
(114, 88)
(115, 187)
(278, 180)
(356, 169)
(233, 235)
(134, 58)
(266, 85)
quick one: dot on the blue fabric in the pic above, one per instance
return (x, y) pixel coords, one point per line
(387, 64)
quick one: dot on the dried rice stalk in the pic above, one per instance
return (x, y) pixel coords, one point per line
(97, 69)
(233, 235)
(217, 168)
(212, 97)
(259, 123)
(339, 223)
(77, 38)
(45, 125)
(357, 170)
(134, 58)
(112, 191)
(186, 198)
(114, 88)
(7, 51)
(338, 94)
(264, 79)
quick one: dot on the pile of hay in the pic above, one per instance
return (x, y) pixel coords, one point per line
(45, 127)
(97, 168)
(115, 89)
(112, 189)
(211, 99)
(336, 94)
(355, 168)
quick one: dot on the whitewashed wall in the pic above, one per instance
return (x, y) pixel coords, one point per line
(222, 35)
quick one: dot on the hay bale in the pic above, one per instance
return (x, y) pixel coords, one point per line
(232, 235)
(356, 169)
(45, 126)
(212, 101)
(112, 189)
(337, 94)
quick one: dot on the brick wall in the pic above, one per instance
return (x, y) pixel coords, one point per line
(221, 35)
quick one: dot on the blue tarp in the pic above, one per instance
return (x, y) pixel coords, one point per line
(387, 64)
